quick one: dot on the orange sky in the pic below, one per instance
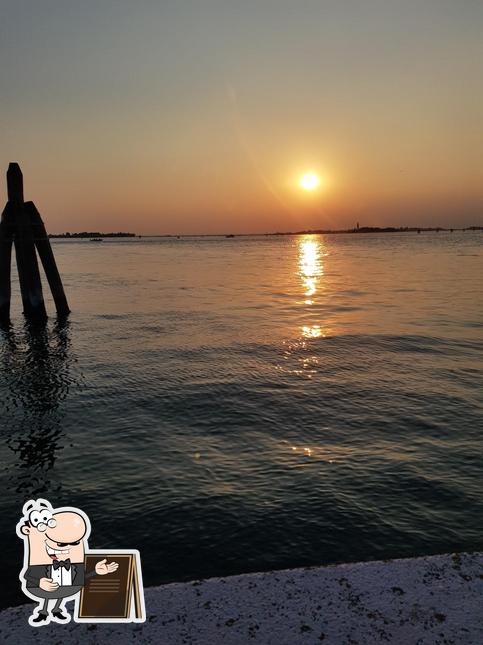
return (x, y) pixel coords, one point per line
(201, 118)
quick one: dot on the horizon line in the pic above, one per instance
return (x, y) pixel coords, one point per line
(360, 230)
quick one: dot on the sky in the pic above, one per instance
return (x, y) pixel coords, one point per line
(200, 116)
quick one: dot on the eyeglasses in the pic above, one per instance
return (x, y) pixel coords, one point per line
(41, 526)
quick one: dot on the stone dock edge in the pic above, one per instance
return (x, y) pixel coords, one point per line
(435, 599)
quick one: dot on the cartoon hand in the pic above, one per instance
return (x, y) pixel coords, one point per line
(102, 568)
(47, 585)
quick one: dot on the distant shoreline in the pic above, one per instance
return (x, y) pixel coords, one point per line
(362, 229)
(87, 234)
(376, 229)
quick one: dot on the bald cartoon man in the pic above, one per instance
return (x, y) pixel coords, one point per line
(55, 541)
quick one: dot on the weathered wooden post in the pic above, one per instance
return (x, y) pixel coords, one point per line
(27, 265)
(21, 222)
(6, 241)
(44, 249)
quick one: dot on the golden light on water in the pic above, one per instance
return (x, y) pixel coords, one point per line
(321, 453)
(306, 451)
(310, 266)
(309, 275)
(311, 271)
(315, 331)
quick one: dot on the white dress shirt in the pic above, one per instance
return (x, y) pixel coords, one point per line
(61, 576)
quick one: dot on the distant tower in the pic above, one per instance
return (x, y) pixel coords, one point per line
(357, 225)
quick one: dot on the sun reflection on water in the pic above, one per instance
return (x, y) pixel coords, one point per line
(300, 353)
(311, 271)
(310, 265)
(315, 331)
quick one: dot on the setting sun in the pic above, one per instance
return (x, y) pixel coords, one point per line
(309, 181)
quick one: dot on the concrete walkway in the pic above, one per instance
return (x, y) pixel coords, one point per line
(416, 601)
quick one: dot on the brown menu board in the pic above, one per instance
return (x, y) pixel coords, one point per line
(116, 596)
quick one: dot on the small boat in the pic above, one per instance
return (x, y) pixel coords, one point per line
(95, 239)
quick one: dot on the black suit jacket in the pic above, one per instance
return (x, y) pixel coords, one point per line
(37, 571)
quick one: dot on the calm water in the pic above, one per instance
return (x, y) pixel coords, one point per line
(231, 405)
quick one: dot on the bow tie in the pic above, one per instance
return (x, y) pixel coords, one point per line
(61, 563)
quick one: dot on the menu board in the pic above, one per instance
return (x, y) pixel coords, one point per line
(116, 596)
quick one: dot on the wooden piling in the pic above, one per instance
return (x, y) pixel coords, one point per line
(44, 249)
(6, 240)
(28, 268)
(21, 224)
